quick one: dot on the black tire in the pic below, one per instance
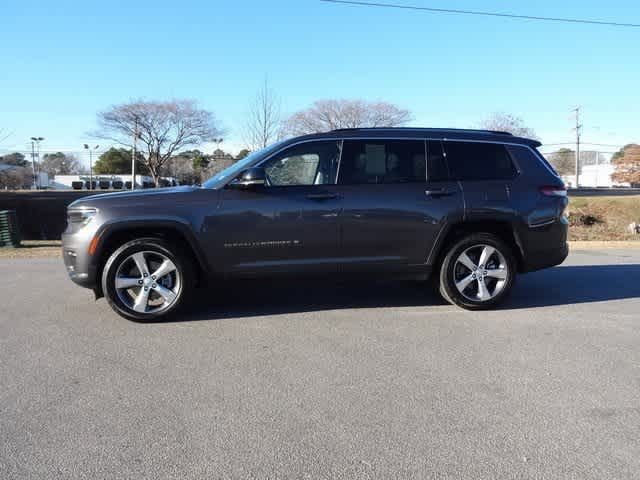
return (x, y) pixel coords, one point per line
(183, 290)
(448, 272)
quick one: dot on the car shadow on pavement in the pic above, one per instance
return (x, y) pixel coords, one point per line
(571, 284)
(259, 298)
(563, 285)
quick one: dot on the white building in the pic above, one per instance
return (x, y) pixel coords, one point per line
(596, 170)
(106, 182)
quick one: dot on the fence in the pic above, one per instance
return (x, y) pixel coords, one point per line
(9, 232)
(40, 215)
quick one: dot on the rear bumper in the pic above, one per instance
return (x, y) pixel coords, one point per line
(545, 259)
(545, 247)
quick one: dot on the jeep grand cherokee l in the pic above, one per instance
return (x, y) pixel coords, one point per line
(470, 209)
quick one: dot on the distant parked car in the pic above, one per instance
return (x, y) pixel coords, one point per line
(470, 209)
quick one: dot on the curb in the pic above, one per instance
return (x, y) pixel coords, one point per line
(596, 244)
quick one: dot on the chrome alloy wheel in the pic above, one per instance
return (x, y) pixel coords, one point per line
(148, 282)
(480, 273)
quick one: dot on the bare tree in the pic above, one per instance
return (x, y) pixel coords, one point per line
(15, 177)
(4, 134)
(506, 122)
(163, 128)
(627, 162)
(563, 160)
(326, 115)
(264, 120)
(59, 164)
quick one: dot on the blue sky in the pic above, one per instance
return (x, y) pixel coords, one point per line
(63, 61)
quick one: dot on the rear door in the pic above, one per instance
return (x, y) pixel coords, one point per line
(486, 172)
(391, 212)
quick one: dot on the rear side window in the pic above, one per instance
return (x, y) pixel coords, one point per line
(479, 161)
(389, 161)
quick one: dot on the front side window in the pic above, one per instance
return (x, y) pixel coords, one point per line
(479, 161)
(313, 163)
(236, 168)
(382, 161)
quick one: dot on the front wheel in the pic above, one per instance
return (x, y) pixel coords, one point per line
(147, 279)
(478, 272)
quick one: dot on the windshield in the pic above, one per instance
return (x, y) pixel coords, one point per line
(232, 171)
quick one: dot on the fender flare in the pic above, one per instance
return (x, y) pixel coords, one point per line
(180, 225)
(447, 228)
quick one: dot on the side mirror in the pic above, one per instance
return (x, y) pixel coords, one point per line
(252, 177)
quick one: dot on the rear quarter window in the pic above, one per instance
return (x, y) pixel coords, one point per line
(531, 161)
(479, 161)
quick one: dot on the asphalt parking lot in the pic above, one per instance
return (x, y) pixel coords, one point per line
(336, 381)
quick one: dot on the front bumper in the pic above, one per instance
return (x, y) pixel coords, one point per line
(76, 258)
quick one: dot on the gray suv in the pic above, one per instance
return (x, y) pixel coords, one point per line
(467, 208)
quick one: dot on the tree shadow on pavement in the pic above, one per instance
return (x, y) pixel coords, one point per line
(557, 286)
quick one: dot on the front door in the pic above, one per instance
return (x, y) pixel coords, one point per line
(290, 224)
(392, 212)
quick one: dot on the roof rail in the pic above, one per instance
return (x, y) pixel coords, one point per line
(469, 130)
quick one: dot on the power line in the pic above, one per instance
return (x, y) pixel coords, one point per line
(601, 144)
(485, 14)
(581, 154)
(582, 143)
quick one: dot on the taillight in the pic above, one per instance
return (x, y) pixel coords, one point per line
(554, 191)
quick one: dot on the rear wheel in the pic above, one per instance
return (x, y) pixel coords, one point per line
(147, 279)
(478, 272)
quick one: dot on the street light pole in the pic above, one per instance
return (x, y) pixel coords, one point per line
(91, 163)
(33, 163)
(133, 155)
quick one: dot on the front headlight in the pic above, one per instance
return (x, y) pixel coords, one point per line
(80, 216)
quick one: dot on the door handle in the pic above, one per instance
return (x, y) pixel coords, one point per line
(322, 196)
(439, 192)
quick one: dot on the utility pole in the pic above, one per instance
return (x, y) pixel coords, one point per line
(578, 132)
(35, 152)
(133, 155)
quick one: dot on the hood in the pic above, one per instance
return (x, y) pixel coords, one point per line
(133, 195)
